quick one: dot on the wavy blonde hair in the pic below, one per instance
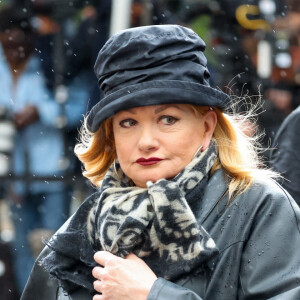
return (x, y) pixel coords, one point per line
(238, 152)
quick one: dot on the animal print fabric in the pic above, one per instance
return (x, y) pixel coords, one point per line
(156, 223)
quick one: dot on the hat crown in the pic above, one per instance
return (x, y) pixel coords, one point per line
(152, 65)
(159, 52)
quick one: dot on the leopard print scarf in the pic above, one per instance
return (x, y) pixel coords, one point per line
(156, 223)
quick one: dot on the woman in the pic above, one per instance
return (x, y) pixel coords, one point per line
(182, 211)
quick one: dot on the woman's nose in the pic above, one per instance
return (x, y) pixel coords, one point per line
(148, 140)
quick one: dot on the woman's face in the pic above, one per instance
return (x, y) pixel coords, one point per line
(155, 142)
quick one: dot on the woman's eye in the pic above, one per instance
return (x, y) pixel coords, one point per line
(168, 120)
(127, 123)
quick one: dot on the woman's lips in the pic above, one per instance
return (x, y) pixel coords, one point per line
(148, 161)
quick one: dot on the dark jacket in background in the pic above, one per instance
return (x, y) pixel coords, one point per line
(258, 237)
(285, 153)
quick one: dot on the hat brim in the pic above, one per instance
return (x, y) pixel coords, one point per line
(155, 93)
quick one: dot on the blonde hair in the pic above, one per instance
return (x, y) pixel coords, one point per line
(238, 152)
(96, 151)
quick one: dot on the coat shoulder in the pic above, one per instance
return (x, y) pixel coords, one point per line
(267, 194)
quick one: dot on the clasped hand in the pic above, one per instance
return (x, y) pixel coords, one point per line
(121, 278)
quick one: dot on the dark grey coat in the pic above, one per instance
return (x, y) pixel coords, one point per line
(258, 237)
(285, 153)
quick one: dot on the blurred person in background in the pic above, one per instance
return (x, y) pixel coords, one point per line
(282, 88)
(68, 44)
(90, 36)
(35, 202)
(285, 154)
(285, 151)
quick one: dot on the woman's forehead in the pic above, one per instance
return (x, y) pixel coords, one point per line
(157, 108)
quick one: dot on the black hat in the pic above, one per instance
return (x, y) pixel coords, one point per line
(152, 65)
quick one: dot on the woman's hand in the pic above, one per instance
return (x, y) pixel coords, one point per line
(121, 279)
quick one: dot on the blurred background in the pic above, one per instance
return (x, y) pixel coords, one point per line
(47, 52)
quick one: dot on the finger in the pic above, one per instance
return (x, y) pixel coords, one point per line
(98, 297)
(97, 286)
(102, 257)
(97, 272)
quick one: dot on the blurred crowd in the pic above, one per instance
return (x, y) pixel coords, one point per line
(47, 52)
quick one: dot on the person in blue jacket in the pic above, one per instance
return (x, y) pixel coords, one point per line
(38, 152)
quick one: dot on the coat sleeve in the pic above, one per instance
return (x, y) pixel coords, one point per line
(39, 284)
(270, 266)
(163, 289)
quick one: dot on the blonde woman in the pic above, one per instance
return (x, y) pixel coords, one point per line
(183, 209)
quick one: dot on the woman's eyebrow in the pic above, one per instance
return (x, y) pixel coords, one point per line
(162, 108)
(129, 110)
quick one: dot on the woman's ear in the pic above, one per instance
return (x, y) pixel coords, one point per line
(210, 120)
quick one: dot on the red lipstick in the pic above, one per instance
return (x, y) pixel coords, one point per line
(148, 161)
